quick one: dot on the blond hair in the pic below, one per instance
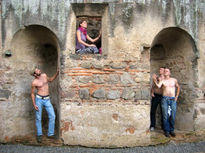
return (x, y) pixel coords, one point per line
(32, 72)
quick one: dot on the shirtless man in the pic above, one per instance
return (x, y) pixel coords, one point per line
(41, 100)
(156, 99)
(170, 96)
(170, 92)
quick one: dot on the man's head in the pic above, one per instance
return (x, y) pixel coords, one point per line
(36, 72)
(161, 70)
(167, 72)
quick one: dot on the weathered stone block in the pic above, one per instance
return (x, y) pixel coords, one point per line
(97, 65)
(145, 66)
(113, 79)
(84, 93)
(91, 124)
(86, 65)
(69, 93)
(75, 56)
(142, 77)
(66, 82)
(5, 93)
(145, 94)
(98, 79)
(120, 65)
(138, 79)
(98, 57)
(113, 94)
(134, 67)
(100, 93)
(138, 94)
(126, 79)
(128, 93)
(84, 79)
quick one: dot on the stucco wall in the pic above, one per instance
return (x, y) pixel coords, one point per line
(102, 97)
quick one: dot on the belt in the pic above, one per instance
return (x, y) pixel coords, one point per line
(42, 97)
(158, 94)
(167, 97)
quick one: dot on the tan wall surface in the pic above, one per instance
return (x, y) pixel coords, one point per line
(104, 100)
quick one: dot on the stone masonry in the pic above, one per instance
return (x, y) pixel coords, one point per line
(100, 100)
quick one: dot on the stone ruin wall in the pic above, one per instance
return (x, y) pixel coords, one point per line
(104, 100)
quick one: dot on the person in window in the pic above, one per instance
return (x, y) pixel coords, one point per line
(82, 47)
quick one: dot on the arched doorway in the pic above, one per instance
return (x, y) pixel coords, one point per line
(174, 48)
(36, 45)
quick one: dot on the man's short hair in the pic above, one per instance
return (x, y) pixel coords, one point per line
(163, 67)
(32, 72)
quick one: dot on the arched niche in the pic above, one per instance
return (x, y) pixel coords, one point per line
(174, 48)
(36, 45)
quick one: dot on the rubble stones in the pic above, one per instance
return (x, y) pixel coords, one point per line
(99, 94)
(84, 93)
(113, 94)
(128, 93)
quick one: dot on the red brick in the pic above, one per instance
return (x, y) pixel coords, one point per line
(131, 130)
(115, 117)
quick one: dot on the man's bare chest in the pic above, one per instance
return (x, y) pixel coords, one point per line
(41, 82)
(169, 84)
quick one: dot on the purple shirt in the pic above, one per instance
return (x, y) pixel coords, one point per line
(78, 44)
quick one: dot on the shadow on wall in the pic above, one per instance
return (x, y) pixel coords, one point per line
(175, 48)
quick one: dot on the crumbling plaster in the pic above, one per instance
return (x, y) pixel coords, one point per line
(130, 24)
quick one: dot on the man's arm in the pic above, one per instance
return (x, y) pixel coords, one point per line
(33, 96)
(152, 91)
(178, 90)
(50, 79)
(158, 84)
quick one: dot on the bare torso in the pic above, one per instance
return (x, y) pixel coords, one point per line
(156, 89)
(169, 87)
(41, 84)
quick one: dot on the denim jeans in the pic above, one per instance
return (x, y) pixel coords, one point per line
(88, 50)
(51, 115)
(156, 100)
(168, 121)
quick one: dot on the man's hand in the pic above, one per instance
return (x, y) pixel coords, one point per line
(176, 98)
(160, 79)
(153, 95)
(154, 77)
(36, 107)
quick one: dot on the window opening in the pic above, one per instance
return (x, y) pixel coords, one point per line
(93, 31)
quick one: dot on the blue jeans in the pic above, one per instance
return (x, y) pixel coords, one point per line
(156, 100)
(51, 115)
(168, 122)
